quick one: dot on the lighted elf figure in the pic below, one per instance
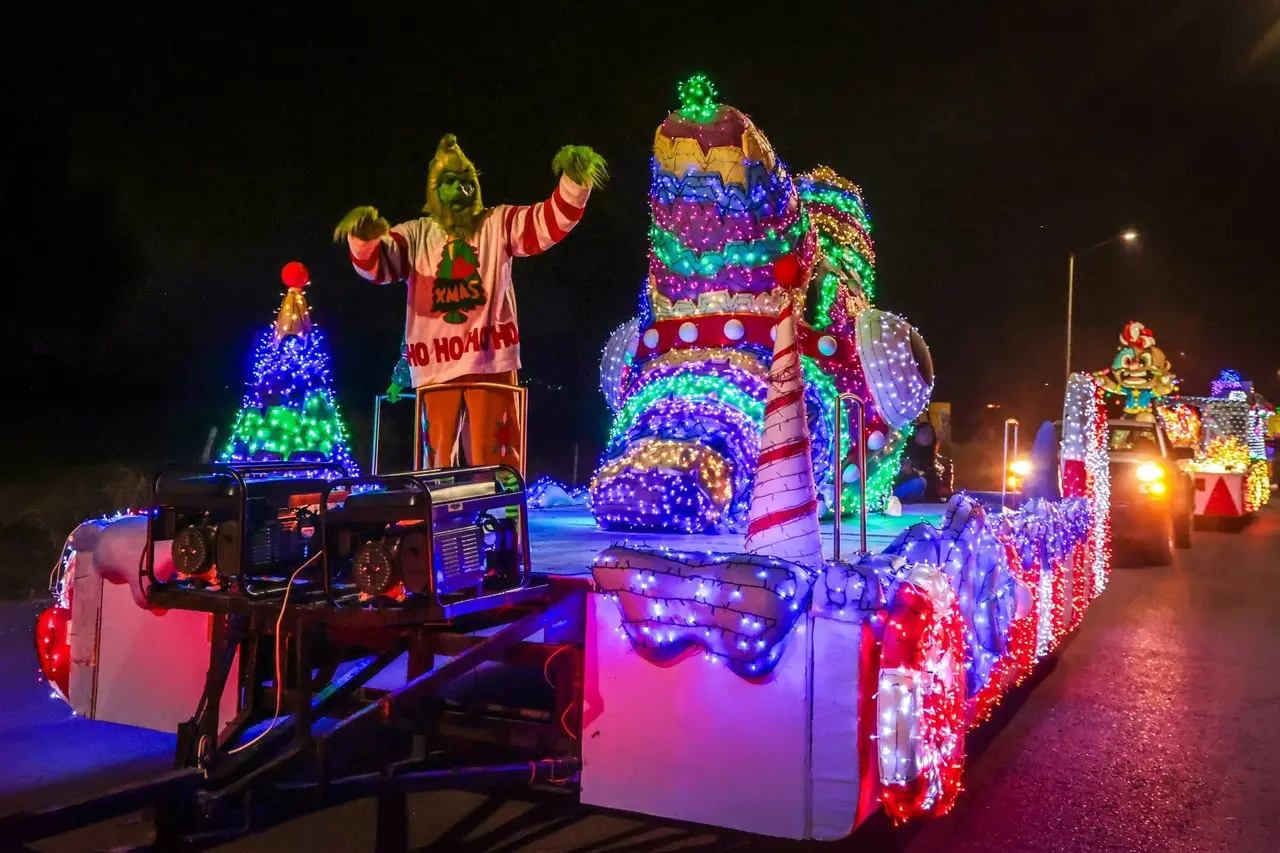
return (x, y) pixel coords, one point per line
(289, 411)
(461, 325)
(1140, 374)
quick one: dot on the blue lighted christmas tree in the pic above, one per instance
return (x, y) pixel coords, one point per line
(289, 411)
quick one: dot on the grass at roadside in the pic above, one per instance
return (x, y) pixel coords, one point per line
(39, 510)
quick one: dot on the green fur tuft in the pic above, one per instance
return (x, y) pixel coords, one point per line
(582, 166)
(363, 222)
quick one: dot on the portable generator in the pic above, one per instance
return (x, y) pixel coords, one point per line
(243, 527)
(428, 537)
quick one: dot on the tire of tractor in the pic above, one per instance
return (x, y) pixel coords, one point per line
(1161, 550)
(1182, 531)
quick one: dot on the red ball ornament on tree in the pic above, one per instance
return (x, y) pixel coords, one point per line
(786, 271)
(295, 275)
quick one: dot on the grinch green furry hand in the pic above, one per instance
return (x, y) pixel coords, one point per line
(363, 223)
(582, 165)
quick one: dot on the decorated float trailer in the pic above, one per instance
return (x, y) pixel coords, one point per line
(292, 588)
(1226, 433)
(867, 672)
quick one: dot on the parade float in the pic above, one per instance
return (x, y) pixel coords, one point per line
(753, 680)
(1140, 374)
(1227, 433)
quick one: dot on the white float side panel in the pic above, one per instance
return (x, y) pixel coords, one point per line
(82, 633)
(837, 649)
(692, 741)
(152, 664)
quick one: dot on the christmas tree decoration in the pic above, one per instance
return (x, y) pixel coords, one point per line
(1257, 486)
(734, 239)
(289, 411)
(457, 287)
(1140, 374)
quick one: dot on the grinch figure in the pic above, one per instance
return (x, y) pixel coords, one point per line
(461, 324)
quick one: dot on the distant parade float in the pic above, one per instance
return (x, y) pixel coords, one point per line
(762, 683)
(1227, 432)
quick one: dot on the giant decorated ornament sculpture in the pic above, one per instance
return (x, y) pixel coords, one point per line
(734, 236)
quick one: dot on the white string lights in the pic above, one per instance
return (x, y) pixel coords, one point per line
(896, 361)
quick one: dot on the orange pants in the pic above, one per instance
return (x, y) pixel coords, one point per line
(493, 417)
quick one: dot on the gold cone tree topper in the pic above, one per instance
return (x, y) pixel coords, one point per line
(294, 317)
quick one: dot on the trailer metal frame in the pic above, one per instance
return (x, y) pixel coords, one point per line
(343, 740)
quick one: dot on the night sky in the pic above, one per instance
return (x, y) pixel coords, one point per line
(162, 170)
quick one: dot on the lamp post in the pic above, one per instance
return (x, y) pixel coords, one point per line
(1128, 237)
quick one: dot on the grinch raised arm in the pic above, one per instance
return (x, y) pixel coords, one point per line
(461, 324)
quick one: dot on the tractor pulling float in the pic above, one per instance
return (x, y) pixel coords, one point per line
(722, 664)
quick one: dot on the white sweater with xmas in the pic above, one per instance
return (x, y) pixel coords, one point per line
(457, 324)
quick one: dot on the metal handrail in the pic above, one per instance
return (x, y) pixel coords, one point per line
(1004, 470)
(378, 400)
(862, 472)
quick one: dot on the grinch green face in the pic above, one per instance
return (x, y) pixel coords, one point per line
(453, 190)
(457, 190)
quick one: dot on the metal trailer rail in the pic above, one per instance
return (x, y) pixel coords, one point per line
(385, 745)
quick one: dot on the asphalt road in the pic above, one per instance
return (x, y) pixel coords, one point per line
(1158, 729)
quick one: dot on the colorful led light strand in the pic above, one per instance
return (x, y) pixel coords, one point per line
(678, 257)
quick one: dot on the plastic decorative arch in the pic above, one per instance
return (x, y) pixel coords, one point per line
(897, 364)
(615, 361)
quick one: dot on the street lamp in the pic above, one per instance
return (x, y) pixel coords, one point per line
(1128, 237)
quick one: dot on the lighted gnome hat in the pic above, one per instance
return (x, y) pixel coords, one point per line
(294, 317)
(783, 515)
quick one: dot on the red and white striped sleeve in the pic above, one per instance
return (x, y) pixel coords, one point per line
(534, 228)
(385, 259)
